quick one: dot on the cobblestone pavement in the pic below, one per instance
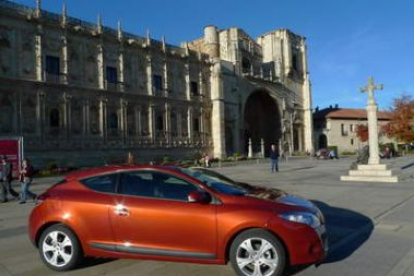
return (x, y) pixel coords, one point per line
(371, 225)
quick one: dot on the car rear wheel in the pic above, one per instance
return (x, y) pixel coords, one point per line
(257, 252)
(59, 248)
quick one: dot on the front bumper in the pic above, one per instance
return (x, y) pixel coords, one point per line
(323, 236)
(305, 245)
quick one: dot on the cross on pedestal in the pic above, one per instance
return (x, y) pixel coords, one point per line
(370, 88)
(372, 109)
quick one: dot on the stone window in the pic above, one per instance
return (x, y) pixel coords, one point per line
(352, 141)
(295, 62)
(113, 121)
(160, 123)
(157, 82)
(52, 65)
(111, 75)
(54, 117)
(246, 65)
(194, 88)
(344, 131)
(196, 125)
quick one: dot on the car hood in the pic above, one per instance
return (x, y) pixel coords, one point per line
(276, 195)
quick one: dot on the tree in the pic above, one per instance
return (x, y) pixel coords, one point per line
(401, 125)
(362, 132)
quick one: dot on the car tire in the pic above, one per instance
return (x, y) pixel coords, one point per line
(257, 252)
(59, 248)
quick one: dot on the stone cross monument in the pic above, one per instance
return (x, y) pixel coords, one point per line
(372, 109)
(374, 171)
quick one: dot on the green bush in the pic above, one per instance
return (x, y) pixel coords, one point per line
(348, 153)
(334, 148)
(167, 159)
(52, 164)
(299, 153)
(236, 155)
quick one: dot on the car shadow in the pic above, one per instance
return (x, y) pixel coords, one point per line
(90, 262)
(347, 231)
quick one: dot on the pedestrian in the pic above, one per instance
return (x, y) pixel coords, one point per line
(6, 180)
(332, 154)
(130, 160)
(26, 175)
(274, 158)
(207, 161)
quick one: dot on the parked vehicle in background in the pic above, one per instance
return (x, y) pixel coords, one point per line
(175, 214)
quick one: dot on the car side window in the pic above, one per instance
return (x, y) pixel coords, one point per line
(103, 183)
(156, 184)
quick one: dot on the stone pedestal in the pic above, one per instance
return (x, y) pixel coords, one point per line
(250, 154)
(371, 173)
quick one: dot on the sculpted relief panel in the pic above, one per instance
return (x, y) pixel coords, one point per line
(29, 114)
(6, 114)
(6, 51)
(28, 54)
(91, 67)
(176, 77)
(76, 116)
(141, 73)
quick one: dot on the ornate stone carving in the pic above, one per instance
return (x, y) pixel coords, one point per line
(6, 114)
(52, 44)
(4, 38)
(29, 114)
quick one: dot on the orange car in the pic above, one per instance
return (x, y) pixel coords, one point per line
(175, 214)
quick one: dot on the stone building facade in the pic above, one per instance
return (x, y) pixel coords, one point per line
(73, 87)
(336, 126)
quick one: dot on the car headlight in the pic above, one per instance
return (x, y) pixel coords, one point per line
(302, 217)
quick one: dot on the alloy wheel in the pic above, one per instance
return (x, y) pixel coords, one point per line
(57, 248)
(257, 257)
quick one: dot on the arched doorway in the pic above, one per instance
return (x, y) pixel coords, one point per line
(322, 142)
(261, 121)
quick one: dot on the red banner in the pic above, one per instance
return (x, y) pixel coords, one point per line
(11, 148)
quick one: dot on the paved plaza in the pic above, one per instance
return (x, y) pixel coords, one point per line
(370, 225)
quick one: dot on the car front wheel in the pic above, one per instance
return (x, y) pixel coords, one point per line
(257, 252)
(59, 248)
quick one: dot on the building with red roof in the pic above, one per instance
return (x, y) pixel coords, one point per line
(334, 126)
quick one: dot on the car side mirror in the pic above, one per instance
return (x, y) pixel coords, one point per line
(199, 197)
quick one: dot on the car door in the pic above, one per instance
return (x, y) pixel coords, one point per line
(89, 207)
(152, 216)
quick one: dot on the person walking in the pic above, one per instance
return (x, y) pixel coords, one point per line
(207, 161)
(7, 177)
(274, 158)
(26, 179)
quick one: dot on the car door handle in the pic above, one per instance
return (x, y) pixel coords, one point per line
(121, 211)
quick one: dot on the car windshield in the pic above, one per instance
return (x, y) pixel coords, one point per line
(215, 181)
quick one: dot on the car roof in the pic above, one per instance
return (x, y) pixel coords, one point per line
(84, 173)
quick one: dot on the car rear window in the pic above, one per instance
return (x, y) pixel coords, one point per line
(102, 183)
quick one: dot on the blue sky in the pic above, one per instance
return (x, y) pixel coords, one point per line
(348, 40)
